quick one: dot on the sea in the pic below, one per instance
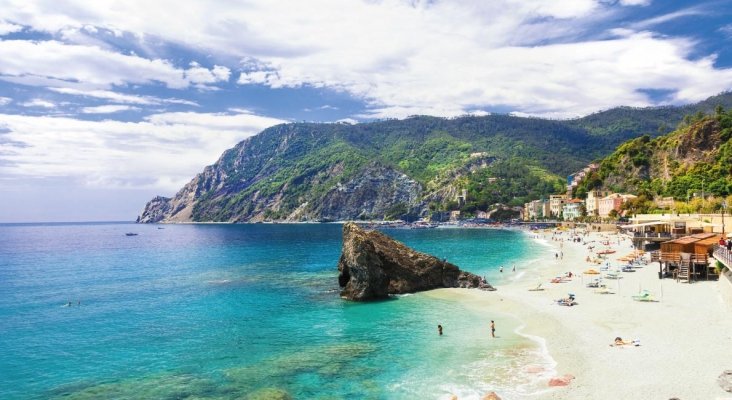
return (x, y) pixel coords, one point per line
(248, 311)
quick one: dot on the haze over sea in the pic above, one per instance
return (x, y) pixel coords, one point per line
(229, 311)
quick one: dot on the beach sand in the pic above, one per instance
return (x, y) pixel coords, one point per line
(684, 337)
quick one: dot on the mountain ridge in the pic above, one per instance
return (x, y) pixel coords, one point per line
(297, 171)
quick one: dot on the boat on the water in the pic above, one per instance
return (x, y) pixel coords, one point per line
(130, 234)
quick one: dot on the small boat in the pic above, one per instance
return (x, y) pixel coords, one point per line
(608, 251)
(130, 234)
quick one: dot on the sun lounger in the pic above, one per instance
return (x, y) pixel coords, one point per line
(537, 288)
(644, 296)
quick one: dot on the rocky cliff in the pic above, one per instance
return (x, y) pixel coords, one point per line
(373, 266)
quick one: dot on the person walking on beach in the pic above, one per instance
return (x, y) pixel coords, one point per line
(493, 329)
(439, 329)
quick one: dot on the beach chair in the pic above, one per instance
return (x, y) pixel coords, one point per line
(612, 275)
(644, 295)
(537, 288)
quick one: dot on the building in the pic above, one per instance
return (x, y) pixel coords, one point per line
(574, 179)
(593, 201)
(664, 202)
(572, 209)
(556, 202)
(455, 215)
(535, 210)
(612, 202)
(462, 197)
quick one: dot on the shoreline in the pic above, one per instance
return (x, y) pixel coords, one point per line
(675, 358)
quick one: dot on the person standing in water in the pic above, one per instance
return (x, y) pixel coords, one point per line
(439, 329)
(493, 329)
(501, 269)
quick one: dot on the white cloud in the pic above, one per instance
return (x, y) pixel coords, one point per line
(5, 101)
(86, 64)
(661, 19)
(108, 109)
(727, 30)
(635, 2)
(38, 103)
(161, 153)
(6, 27)
(198, 74)
(432, 57)
(53, 63)
(121, 97)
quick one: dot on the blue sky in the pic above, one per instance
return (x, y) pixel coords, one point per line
(105, 104)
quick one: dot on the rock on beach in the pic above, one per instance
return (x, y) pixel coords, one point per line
(373, 266)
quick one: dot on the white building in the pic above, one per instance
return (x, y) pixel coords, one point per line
(572, 209)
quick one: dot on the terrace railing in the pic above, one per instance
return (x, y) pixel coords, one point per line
(722, 254)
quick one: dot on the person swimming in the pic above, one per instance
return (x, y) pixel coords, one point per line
(439, 329)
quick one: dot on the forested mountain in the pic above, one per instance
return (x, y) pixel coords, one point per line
(404, 168)
(694, 160)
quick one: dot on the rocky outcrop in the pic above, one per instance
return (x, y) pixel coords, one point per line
(372, 194)
(374, 266)
(155, 210)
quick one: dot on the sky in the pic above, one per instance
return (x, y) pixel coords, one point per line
(106, 104)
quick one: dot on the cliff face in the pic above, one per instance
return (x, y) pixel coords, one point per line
(372, 194)
(373, 266)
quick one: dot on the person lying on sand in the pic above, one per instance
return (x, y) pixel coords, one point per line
(620, 342)
(569, 301)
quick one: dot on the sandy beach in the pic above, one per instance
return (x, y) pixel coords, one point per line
(684, 336)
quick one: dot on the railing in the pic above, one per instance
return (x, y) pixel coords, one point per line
(676, 259)
(654, 235)
(722, 254)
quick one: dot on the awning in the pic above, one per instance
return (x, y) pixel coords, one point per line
(645, 224)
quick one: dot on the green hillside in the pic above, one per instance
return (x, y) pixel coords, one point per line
(315, 171)
(694, 159)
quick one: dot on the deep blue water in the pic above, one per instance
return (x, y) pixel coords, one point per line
(229, 311)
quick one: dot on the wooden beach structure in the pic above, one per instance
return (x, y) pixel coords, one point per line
(687, 257)
(648, 231)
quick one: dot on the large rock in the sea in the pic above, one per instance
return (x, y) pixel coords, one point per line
(373, 266)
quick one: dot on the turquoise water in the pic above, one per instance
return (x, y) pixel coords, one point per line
(241, 311)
